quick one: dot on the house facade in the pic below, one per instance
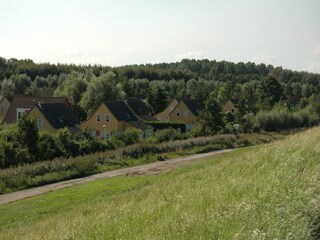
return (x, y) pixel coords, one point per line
(5, 103)
(54, 116)
(229, 106)
(112, 117)
(181, 110)
(21, 105)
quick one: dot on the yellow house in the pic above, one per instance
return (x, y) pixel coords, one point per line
(229, 106)
(181, 110)
(20, 105)
(4, 106)
(112, 117)
(53, 116)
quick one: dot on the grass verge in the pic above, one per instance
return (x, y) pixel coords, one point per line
(265, 192)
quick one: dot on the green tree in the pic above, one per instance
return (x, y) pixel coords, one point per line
(102, 88)
(269, 92)
(28, 135)
(211, 117)
(73, 86)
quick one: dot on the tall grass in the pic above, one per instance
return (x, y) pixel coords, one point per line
(40, 173)
(268, 192)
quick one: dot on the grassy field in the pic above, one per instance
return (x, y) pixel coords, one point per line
(266, 192)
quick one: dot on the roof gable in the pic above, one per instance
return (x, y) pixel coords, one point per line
(120, 111)
(140, 109)
(58, 115)
(27, 102)
(193, 105)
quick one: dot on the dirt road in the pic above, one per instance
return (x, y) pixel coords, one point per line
(146, 169)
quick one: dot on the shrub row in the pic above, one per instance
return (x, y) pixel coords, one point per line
(280, 120)
(40, 173)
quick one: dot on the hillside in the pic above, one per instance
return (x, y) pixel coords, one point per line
(264, 192)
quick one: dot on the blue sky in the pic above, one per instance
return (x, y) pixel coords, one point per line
(283, 33)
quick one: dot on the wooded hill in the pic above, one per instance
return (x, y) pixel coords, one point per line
(88, 85)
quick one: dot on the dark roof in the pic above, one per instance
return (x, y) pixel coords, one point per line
(22, 101)
(140, 109)
(121, 111)
(58, 115)
(9, 98)
(139, 124)
(292, 100)
(193, 105)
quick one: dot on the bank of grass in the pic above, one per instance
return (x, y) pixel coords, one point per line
(45, 172)
(264, 192)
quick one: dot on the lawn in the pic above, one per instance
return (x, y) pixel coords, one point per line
(264, 192)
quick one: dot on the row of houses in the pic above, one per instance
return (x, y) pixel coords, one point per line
(53, 113)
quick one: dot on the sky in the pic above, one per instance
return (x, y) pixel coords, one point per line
(282, 33)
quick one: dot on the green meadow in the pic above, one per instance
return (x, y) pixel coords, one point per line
(269, 191)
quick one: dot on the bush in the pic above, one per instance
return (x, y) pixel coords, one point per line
(276, 120)
(157, 126)
(48, 146)
(130, 136)
(168, 135)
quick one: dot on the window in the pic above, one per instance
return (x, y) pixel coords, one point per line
(178, 112)
(185, 113)
(107, 118)
(1, 109)
(40, 123)
(98, 117)
(21, 112)
(106, 134)
(232, 110)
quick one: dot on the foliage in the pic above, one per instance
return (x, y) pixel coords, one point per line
(168, 134)
(267, 192)
(130, 136)
(43, 172)
(276, 120)
(211, 116)
(157, 125)
(270, 92)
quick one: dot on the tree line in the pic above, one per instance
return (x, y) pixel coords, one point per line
(256, 87)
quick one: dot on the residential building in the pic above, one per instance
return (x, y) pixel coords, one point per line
(4, 106)
(229, 106)
(181, 110)
(20, 105)
(54, 116)
(140, 109)
(112, 117)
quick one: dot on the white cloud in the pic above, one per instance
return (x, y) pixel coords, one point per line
(316, 51)
(262, 57)
(189, 55)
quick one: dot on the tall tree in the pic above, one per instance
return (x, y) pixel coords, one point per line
(270, 92)
(211, 117)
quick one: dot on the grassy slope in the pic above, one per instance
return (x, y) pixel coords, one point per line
(268, 191)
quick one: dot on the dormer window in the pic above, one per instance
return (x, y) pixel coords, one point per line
(178, 112)
(98, 117)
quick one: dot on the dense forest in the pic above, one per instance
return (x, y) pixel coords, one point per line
(256, 87)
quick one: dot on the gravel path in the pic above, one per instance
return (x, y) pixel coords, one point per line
(146, 169)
